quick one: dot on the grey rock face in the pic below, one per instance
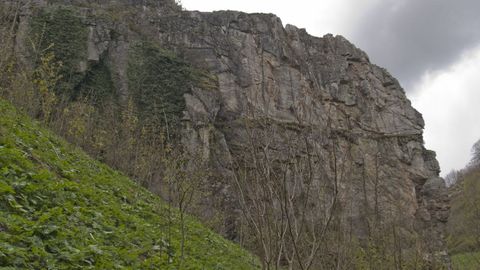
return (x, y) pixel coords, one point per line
(315, 84)
(315, 88)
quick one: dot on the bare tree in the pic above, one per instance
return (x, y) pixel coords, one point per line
(476, 153)
(184, 175)
(288, 191)
(9, 18)
(452, 177)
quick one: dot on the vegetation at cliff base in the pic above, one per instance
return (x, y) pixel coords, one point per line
(59, 209)
(299, 172)
(464, 221)
(466, 261)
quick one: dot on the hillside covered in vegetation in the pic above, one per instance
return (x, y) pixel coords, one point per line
(59, 209)
(296, 147)
(464, 222)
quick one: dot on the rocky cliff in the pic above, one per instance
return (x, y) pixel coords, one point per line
(350, 138)
(314, 87)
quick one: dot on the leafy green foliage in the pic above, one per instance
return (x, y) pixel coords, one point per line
(463, 226)
(98, 84)
(62, 31)
(466, 261)
(158, 81)
(59, 209)
(464, 221)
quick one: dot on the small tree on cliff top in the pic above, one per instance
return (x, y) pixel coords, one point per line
(476, 153)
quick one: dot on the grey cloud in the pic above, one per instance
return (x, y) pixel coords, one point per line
(409, 37)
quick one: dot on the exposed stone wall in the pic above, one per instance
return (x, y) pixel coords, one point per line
(314, 84)
(308, 87)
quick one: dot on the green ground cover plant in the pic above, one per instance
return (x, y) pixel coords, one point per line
(60, 209)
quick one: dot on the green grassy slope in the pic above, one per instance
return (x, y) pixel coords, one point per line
(59, 209)
(466, 261)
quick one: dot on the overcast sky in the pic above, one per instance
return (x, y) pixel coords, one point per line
(431, 46)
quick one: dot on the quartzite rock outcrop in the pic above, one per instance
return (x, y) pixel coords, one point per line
(308, 87)
(296, 79)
